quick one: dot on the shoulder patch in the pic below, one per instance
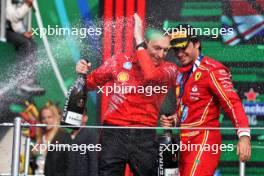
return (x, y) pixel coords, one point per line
(197, 76)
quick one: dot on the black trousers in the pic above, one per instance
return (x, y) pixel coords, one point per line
(25, 55)
(136, 147)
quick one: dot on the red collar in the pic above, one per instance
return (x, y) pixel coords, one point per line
(186, 68)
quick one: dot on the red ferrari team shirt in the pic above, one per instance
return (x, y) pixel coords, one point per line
(200, 97)
(135, 96)
(208, 88)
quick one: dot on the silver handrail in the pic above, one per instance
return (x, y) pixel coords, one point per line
(27, 155)
(242, 168)
(3, 21)
(15, 167)
(16, 147)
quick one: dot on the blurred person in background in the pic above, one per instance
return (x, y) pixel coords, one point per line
(83, 163)
(26, 48)
(52, 162)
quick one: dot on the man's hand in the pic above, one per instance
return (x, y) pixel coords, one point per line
(28, 34)
(82, 66)
(138, 29)
(168, 121)
(244, 148)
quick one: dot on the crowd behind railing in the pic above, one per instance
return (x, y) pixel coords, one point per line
(55, 150)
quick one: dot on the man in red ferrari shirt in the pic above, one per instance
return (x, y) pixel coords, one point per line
(203, 86)
(134, 100)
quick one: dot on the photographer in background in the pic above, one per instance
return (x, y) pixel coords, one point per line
(17, 35)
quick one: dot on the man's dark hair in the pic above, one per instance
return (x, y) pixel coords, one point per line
(196, 40)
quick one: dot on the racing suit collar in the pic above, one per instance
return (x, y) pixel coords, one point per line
(186, 68)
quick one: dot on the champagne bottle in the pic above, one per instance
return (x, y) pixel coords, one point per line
(169, 158)
(74, 106)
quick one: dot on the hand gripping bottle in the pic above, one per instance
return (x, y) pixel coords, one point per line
(168, 154)
(74, 106)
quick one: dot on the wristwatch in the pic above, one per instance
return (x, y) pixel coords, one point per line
(143, 45)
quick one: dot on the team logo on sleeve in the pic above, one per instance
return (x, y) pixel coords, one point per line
(123, 77)
(127, 65)
(197, 76)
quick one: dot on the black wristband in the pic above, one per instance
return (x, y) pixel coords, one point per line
(143, 45)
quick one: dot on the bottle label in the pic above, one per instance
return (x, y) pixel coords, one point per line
(171, 172)
(73, 118)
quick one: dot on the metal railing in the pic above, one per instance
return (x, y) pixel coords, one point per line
(3, 21)
(16, 148)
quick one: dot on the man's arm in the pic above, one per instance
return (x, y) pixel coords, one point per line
(222, 86)
(15, 14)
(149, 70)
(99, 76)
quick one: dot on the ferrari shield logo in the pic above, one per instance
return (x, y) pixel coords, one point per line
(198, 76)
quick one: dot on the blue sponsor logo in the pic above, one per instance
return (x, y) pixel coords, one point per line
(254, 108)
(127, 65)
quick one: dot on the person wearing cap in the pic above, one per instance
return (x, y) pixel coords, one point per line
(204, 86)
